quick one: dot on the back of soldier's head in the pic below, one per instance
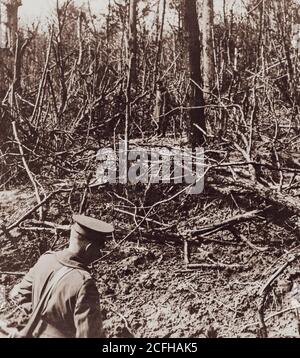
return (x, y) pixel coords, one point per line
(89, 232)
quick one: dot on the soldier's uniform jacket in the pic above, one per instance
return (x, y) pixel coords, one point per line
(73, 309)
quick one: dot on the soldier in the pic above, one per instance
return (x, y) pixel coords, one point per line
(72, 307)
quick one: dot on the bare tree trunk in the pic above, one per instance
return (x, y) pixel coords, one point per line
(132, 75)
(196, 120)
(11, 21)
(61, 15)
(79, 35)
(20, 48)
(160, 32)
(10, 54)
(208, 50)
(132, 40)
(108, 22)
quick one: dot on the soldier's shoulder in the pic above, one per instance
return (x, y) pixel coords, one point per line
(48, 255)
(84, 283)
(82, 275)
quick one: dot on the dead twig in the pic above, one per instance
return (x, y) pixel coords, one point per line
(12, 273)
(186, 256)
(218, 266)
(246, 241)
(141, 217)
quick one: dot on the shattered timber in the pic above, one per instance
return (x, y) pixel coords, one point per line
(220, 75)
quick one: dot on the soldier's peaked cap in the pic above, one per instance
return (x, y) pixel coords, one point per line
(91, 227)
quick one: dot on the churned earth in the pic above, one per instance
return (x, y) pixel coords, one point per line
(145, 288)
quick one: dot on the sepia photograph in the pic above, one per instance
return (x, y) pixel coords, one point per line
(149, 171)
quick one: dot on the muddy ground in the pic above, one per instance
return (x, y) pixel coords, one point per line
(145, 288)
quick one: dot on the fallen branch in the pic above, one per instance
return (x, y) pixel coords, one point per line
(186, 254)
(284, 202)
(25, 216)
(42, 229)
(37, 195)
(45, 225)
(218, 266)
(277, 273)
(246, 241)
(238, 219)
(12, 273)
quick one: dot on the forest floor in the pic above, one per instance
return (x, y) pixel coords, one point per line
(146, 290)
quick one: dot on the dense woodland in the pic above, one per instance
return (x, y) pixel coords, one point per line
(162, 73)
